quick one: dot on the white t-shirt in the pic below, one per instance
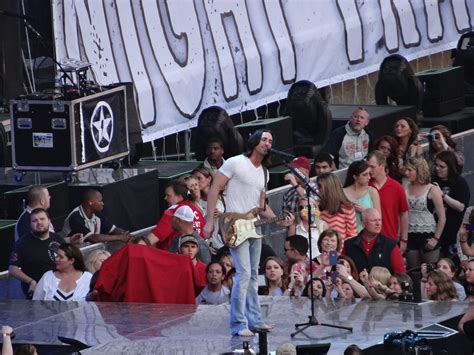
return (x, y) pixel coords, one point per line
(48, 286)
(246, 183)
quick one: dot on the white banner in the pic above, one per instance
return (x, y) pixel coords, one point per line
(186, 55)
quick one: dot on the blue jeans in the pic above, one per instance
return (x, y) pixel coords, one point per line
(245, 310)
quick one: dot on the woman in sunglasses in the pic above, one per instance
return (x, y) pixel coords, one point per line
(304, 221)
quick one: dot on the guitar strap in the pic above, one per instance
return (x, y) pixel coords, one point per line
(265, 180)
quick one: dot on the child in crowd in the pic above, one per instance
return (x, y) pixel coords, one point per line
(376, 282)
(188, 245)
(319, 289)
(447, 266)
(439, 287)
(276, 280)
(214, 292)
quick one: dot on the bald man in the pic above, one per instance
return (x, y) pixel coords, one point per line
(370, 248)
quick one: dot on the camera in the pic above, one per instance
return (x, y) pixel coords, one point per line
(409, 341)
(431, 137)
(430, 267)
(407, 293)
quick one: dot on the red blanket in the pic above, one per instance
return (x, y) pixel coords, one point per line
(138, 273)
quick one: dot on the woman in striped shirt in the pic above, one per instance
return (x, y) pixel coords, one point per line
(336, 209)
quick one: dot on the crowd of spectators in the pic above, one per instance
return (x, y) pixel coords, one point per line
(399, 211)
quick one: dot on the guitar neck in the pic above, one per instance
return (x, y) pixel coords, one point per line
(262, 222)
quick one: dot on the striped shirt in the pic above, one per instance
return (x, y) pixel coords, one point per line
(343, 222)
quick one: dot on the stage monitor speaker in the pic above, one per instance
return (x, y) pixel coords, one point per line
(281, 128)
(7, 241)
(313, 349)
(443, 90)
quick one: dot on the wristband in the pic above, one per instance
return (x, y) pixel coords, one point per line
(435, 238)
(403, 240)
(7, 334)
(462, 240)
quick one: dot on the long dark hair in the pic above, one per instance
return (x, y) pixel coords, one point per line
(449, 158)
(253, 141)
(356, 168)
(392, 159)
(73, 252)
(414, 131)
(306, 290)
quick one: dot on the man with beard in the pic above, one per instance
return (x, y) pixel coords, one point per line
(34, 254)
(351, 142)
(244, 178)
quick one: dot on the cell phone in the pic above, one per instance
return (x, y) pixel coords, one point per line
(470, 227)
(298, 267)
(333, 258)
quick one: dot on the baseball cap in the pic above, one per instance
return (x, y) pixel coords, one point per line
(301, 162)
(187, 238)
(185, 213)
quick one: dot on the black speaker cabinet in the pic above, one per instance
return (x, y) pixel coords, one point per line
(443, 90)
(58, 135)
(7, 241)
(282, 133)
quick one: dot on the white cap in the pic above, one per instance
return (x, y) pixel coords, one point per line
(185, 213)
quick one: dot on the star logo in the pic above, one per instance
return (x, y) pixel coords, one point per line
(102, 126)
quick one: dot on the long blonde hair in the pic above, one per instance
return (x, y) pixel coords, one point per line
(333, 198)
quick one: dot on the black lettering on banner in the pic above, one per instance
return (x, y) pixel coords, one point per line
(135, 61)
(398, 17)
(94, 36)
(216, 13)
(434, 21)
(462, 17)
(183, 16)
(355, 37)
(281, 35)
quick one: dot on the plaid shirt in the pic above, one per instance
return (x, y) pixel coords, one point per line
(291, 198)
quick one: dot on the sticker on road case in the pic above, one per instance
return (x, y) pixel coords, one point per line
(42, 140)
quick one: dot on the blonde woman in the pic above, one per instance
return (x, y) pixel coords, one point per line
(424, 232)
(95, 260)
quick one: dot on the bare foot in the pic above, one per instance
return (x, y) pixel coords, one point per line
(265, 326)
(245, 333)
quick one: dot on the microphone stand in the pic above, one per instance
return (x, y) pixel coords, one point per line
(312, 321)
(40, 38)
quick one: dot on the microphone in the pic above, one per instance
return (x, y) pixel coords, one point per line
(297, 172)
(281, 153)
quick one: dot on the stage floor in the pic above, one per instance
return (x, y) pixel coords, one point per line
(113, 328)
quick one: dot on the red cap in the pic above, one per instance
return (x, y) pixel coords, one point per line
(301, 162)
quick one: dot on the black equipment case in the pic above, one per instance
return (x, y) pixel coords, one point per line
(69, 135)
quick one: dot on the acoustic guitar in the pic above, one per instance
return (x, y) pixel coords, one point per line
(236, 228)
